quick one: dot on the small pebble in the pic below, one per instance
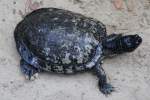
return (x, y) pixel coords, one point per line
(11, 82)
(14, 2)
(14, 11)
(118, 72)
(3, 20)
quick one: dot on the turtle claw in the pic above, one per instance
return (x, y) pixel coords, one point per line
(32, 78)
(31, 73)
(106, 89)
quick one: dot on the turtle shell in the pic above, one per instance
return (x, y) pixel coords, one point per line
(60, 37)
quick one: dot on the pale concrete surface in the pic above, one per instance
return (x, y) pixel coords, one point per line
(129, 73)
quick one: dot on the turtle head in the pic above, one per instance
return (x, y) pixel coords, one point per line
(118, 44)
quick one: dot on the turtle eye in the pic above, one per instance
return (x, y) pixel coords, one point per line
(128, 42)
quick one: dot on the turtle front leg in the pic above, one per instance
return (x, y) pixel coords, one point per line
(104, 87)
(30, 71)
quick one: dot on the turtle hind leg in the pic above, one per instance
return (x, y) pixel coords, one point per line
(30, 72)
(104, 87)
(28, 56)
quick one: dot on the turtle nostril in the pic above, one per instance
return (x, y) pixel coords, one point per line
(139, 40)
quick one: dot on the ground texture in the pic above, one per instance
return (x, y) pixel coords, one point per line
(129, 73)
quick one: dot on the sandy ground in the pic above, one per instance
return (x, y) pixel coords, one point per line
(129, 73)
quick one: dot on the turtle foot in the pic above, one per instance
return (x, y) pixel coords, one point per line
(106, 88)
(31, 73)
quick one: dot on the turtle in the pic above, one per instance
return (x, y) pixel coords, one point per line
(66, 42)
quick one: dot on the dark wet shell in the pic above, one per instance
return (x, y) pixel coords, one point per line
(60, 36)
